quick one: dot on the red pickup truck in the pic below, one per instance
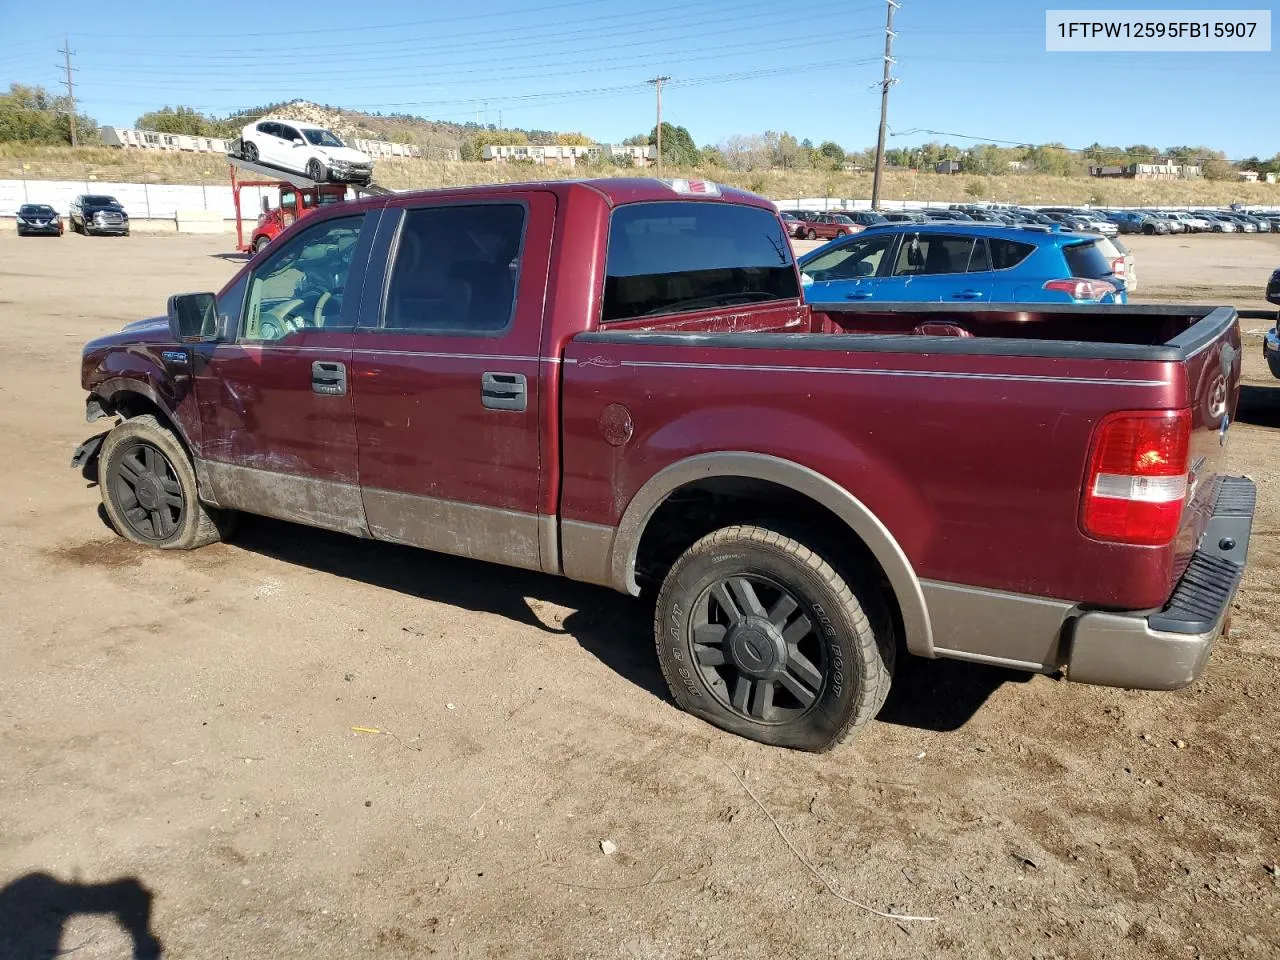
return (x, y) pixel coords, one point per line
(619, 381)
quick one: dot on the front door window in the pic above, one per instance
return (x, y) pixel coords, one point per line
(301, 286)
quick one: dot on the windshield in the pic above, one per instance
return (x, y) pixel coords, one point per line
(35, 210)
(99, 201)
(321, 138)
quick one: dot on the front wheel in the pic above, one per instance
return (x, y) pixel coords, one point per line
(149, 489)
(249, 151)
(260, 244)
(812, 235)
(316, 171)
(763, 637)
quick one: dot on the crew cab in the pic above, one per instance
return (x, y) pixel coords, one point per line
(619, 381)
(91, 213)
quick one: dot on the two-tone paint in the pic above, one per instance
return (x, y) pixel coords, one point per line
(957, 461)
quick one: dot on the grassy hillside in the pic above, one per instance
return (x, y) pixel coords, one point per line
(107, 164)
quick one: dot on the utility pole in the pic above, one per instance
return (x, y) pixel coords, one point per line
(885, 84)
(66, 52)
(657, 83)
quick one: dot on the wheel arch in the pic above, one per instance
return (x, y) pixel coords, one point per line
(130, 398)
(801, 481)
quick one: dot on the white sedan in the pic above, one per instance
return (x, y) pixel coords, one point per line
(304, 148)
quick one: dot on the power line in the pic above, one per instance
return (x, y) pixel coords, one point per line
(887, 82)
(69, 83)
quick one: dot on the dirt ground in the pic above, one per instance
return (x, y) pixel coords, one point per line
(176, 734)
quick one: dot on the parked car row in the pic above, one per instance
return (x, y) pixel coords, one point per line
(1104, 222)
(89, 213)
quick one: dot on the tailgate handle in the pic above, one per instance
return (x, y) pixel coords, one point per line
(504, 391)
(329, 378)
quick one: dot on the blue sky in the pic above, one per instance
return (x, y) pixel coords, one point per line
(737, 67)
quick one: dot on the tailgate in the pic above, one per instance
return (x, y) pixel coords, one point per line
(1213, 383)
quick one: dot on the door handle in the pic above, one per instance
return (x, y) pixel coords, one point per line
(858, 295)
(329, 378)
(504, 391)
(967, 295)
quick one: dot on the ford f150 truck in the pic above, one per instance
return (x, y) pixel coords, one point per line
(619, 381)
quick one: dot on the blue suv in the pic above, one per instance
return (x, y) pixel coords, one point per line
(962, 262)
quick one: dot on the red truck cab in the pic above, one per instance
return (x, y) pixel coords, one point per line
(619, 381)
(292, 202)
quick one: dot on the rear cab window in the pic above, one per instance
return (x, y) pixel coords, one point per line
(1086, 260)
(669, 257)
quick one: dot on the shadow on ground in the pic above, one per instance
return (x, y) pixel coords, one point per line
(931, 695)
(233, 257)
(1259, 406)
(34, 910)
(612, 627)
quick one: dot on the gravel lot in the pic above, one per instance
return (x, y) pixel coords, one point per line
(176, 734)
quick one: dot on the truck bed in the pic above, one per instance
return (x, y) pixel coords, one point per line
(970, 450)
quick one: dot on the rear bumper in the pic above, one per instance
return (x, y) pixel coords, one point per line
(1168, 649)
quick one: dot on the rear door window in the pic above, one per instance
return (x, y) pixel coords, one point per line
(1008, 253)
(669, 257)
(456, 270)
(980, 260)
(1088, 261)
(930, 254)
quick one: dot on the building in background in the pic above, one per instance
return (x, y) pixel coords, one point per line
(555, 155)
(182, 142)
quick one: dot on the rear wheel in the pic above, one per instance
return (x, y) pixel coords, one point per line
(149, 489)
(249, 151)
(761, 636)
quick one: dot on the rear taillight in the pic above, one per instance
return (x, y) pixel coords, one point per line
(1137, 480)
(1117, 267)
(1079, 288)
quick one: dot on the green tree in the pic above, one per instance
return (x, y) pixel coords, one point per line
(677, 146)
(832, 153)
(573, 140)
(33, 115)
(637, 140)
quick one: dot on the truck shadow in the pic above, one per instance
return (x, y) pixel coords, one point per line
(1259, 406)
(35, 908)
(933, 695)
(611, 627)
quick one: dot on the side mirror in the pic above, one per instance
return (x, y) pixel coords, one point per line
(299, 142)
(266, 204)
(863, 269)
(193, 316)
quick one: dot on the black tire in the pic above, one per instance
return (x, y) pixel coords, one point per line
(249, 151)
(260, 244)
(826, 677)
(812, 235)
(159, 507)
(1149, 230)
(316, 171)
(125, 234)
(1273, 364)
